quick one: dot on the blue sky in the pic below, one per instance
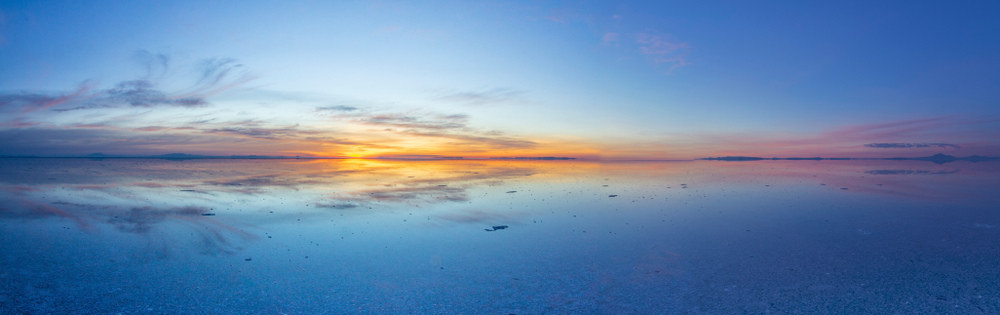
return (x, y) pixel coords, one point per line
(609, 80)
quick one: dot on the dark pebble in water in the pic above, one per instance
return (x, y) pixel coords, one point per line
(496, 227)
(208, 214)
(612, 195)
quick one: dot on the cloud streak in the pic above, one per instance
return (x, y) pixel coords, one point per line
(847, 140)
(486, 97)
(887, 145)
(342, 108)
(454, 129)
(29, 102)
(663, 50)
(214, 76)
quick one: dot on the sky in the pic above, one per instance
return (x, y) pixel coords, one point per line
(593, 80)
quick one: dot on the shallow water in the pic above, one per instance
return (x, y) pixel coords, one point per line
(379, 236)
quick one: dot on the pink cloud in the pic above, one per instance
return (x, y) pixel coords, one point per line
(609, 38)
(43, 103)
(44, 209)
(663, 50)
(961, 135)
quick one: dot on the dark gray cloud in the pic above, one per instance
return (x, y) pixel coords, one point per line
(436, 193)
(215, 71)
(893, 145)
(141, 220)
(81, 141)
(211, 76)
(263, 181)
(144, 93)
(447, 188)
(494, 141)
(214, 237)
(434, 125)
(25, 99)
(341, 206)
(156, 64)
(487, 97)
(909, 172)
(432, 122)
(262, 133)
(80, 107)
(28, 102)
(341, 108)
(255, 129)
(478, 216)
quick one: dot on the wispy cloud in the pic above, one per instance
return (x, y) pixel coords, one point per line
(341, 108)
(484, 97)
(663, 49)
(910, 172)
(446, 186)
(160, 112)
(215, 237)
(857, 140)
(143, 93)
(610, 38)
(29, 102)
(887, 145)
(42, 141)
(479, 216)
(259, 130)
(421, 122)
(496, 142)
(450, 127)
(213, 76)
(3, 21)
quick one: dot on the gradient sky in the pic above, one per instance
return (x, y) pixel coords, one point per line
(636, 80)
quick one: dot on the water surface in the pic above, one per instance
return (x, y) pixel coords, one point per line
(378, 236)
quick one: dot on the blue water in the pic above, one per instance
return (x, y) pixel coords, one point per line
(375, 236)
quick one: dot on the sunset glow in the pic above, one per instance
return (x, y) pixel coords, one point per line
(499, 157)
(638, 81)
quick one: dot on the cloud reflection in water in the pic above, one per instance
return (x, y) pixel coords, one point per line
(153, 198)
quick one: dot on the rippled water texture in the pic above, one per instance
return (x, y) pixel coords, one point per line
(376, 236)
